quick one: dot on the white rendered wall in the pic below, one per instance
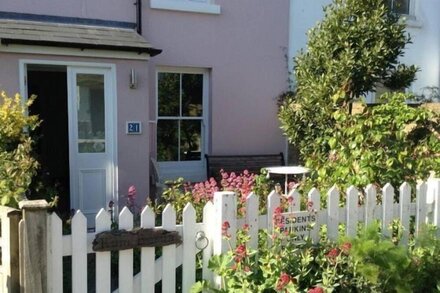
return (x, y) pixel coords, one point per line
(424, 28)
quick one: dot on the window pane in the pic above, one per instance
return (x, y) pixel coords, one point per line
(167, 140)
(169, 94)
(91, 113)
(190, 140)
(192, 95)
(400, 6)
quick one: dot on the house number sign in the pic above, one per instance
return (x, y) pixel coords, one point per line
(133, 127)
(122, 239)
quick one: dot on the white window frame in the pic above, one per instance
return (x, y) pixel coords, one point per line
(197, 6)
(411, 8)
(190, 170)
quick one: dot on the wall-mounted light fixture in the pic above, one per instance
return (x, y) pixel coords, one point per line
(133, 79)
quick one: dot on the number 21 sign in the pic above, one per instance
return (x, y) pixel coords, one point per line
(134, 127)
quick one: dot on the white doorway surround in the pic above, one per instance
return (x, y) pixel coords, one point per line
(91, 95)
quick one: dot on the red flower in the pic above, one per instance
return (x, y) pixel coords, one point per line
(282, 281)
(333, 253)
(346, 247)
(225, 228)
(316, 290)
(240, 253)
(278, 218)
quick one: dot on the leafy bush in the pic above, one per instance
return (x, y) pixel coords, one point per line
(179, 192)
(388, 143)
(355, 48)
(367, 263)
(425, 262)
(17, 166)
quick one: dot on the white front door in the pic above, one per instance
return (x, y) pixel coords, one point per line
(91, 141)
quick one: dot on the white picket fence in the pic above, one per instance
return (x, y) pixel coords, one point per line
(425, 208)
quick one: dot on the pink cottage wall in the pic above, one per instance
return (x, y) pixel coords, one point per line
(116, 10)
(132, 150)
(245, 48)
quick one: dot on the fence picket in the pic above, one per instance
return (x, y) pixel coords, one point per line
(169, 252)
(55, 254)
(421, 207)
(370, 204)
(295, 201)
(225, 210)
(352, 211)
(404, 201)
(252, 203)
(387, 208)
(314, 205)
(208, 223)
(333, 213)
(103, 259)
(433, 196)
(189, 248)
(125, 256)
(273, 201)
(79, 253)
(147, 253)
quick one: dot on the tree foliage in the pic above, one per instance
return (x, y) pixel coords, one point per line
(352, 50)
(17, 166)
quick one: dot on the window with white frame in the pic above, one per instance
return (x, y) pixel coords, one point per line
(400, 6)
(197, 6)
(181, 115)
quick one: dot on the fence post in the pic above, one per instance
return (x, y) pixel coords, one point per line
(9, 268)
(33, 246)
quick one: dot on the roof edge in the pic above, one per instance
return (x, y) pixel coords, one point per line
(151, 51)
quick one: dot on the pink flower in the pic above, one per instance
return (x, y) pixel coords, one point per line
(333, 253)
(346, 247)
(131, 196)
(225, 228)
(282, 281)
(132, 191)
(316, 290)
(240, 253)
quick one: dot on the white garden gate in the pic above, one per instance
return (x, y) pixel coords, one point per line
(78, 244)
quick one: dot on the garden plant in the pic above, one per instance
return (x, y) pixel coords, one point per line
(352, 51)
(17, 164)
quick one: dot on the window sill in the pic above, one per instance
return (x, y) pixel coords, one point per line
(186, 6)
(412, 21)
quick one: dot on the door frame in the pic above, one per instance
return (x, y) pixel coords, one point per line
(113, 105)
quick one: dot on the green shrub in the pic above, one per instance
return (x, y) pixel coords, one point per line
(366, 263)
(388, 143)
(17, 166)
(355, 48)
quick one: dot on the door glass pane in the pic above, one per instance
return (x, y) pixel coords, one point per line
(169, 94)
(91, 113)
(167, 140)
(192, 95)
(190, 140)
